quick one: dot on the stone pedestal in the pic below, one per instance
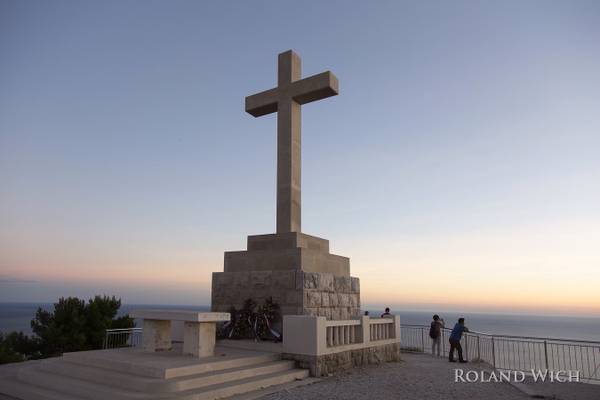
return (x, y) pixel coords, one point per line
(199, 339)
(199, 330)
(295, 269)
(157, 335)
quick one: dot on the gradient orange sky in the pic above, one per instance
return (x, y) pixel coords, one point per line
(550, 269)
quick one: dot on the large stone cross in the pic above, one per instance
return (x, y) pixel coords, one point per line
(285, 99)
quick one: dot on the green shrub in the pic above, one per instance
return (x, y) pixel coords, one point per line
(73, 325)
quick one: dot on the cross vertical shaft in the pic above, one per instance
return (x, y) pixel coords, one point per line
(288, 148)
(285, 99)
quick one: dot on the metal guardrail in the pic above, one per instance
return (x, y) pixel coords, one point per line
(515, 353)
(128, 337)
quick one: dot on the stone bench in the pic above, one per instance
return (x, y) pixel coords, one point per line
(199, 330)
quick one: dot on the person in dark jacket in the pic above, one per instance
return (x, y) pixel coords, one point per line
(435, 333)
(387, 313)
(455, 337)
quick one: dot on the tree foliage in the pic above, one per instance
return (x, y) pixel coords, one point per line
(16, 346)
(62, 330)
(73, 325)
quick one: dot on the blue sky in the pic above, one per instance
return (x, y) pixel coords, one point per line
(462, 149)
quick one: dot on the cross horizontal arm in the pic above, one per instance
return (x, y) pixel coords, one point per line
(314, 88)
(262, 103)
(303, 91)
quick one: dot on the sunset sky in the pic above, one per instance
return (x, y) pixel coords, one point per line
(459, 167)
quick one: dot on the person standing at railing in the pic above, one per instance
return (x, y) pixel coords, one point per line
(455, 337)
(435, 333)
(387, 313)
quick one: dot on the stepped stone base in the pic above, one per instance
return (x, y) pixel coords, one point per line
(293, 268)
(124, 374)
(287, 251)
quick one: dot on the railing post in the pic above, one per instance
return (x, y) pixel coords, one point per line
(444, 344)
(365, 324)
(478, 350)
(493, 353)
(423, 339)
(546, 353)
(346, 334)
(466, 346)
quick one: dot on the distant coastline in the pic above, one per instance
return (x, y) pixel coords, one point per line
(17, 317)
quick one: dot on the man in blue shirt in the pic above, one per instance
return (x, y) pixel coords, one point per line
(455, 337)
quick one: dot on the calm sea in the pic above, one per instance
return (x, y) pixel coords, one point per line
(17, 317)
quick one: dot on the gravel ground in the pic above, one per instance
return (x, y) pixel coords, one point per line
(561, 391)
(418, 377)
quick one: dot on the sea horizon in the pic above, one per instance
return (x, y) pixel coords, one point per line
(16, 316)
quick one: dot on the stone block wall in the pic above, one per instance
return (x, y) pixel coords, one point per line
(326, 364)
(330, 296)
(297, 292)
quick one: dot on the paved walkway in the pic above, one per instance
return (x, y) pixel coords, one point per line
(561, 391)
(422, 377)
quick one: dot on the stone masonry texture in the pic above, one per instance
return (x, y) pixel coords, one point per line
(332, 363)
(296, 292)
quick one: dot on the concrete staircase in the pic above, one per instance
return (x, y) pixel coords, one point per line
(94, 376)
